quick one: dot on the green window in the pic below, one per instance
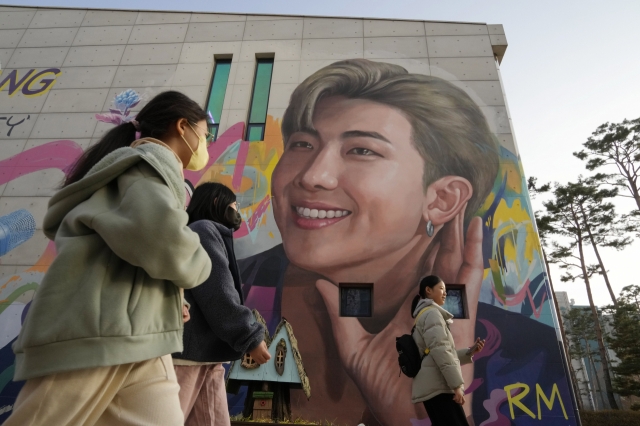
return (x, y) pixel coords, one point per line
(216, 95)
(259, 100)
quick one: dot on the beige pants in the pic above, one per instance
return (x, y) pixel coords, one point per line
(203, 396)
(141, 393)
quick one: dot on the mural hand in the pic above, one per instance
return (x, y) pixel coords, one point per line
(370, 360)
(451, 249)
(460, 261)
(472, 269)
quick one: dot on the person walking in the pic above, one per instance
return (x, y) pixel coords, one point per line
(95, 346)
(221, 328)
(439, 384)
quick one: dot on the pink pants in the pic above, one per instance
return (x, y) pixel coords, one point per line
(203, 397)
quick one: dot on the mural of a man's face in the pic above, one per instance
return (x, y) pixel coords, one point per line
(350, 193)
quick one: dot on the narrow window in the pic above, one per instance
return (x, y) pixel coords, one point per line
(456, 301)
(356, 299)
(217, 93)
(259, 100)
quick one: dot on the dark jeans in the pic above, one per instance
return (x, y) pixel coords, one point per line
(444, 411)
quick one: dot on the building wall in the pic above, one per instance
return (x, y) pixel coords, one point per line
(95, 68)
(579, 366)
(593, 373)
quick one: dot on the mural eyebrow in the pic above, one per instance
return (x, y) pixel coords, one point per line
(310, 131)
(364, 134)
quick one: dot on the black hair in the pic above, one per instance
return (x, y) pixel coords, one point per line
(154, 121)
(210, 201)
(428, 281)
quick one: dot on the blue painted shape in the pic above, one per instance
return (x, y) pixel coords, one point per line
(15, 228)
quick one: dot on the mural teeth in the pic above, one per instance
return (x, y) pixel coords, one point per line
(306, 212)
(322, 214)
(338, 213)
(331, 214)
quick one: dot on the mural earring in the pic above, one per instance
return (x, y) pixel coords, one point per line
(430, 229)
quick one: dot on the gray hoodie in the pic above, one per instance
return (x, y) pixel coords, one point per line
(111, 296)
(440, 370)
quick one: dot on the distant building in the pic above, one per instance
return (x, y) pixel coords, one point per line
(588, 370)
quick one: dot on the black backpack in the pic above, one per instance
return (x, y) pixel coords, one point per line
(409, 356)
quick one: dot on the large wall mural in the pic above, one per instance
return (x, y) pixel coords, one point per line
(339, 191)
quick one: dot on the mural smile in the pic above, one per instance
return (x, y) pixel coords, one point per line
(314, 217)
(320, 213)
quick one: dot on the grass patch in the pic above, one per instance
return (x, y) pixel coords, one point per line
(298, 421)
(610, 418)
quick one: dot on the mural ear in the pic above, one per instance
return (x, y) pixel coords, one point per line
(446, 198)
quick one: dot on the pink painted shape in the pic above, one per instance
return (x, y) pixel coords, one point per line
(261, 298)
(492, 405)
(492, 341)
(518, 298)
(245, 227)
(53, 155)
(234, 134)
(421, 422)
(257, 215)
(241, 160)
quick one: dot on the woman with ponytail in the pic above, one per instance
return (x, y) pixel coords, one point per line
(221, 328)
(95, 345)
(439, 384)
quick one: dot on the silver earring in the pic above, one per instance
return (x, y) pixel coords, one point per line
(430, 229)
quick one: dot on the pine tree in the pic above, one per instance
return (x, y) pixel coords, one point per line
(543, 223)
(615, 148)
(625, 341)
(580, 332)
(603, 225)
(576, 214)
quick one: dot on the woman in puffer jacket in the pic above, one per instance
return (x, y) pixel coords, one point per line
(439, 384)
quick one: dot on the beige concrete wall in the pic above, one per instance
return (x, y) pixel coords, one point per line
(93, 55)
(101, 53)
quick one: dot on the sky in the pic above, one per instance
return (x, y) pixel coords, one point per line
(570, 67)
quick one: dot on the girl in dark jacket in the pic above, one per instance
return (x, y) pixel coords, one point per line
(221, 328)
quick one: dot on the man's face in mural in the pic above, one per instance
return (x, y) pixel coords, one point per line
(351, 192)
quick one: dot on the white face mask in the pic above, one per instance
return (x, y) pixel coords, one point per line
(199, 157)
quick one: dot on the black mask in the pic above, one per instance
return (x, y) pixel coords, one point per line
(232, 219)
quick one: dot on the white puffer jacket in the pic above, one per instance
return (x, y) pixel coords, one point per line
(440, 371)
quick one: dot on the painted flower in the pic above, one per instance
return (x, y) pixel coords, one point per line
(126, 100)
(122, 104)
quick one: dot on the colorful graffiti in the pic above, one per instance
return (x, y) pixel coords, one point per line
(9, 121)
(17, 291)
(336, 169)
(291, 262)
(29, 82)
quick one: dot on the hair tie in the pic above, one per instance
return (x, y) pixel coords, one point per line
(136, 126)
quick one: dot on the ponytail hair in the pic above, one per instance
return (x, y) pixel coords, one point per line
(428, 281)
(414, 303)
(154, 121)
